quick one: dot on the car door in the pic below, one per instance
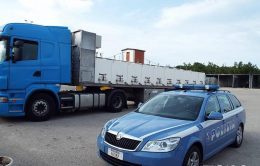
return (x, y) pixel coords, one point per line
(229, 118)
(238, 114)
(212, 128)
(26, 69)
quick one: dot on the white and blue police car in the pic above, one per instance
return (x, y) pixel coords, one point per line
(174, 128)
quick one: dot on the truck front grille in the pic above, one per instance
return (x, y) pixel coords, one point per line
(124, 143)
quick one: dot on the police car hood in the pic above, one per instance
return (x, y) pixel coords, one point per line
(142, 125)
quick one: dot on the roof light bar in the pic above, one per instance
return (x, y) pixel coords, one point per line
(196, 87)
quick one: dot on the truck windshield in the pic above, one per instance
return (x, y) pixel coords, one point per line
(3, 49)
(173, 106)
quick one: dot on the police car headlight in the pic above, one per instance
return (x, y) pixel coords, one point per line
(104, 129)
(103, 132)
(164, 145)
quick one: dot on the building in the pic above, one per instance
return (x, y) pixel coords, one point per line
(133, 55)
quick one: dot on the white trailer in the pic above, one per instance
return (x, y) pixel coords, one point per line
(109, 72)
(111, 83)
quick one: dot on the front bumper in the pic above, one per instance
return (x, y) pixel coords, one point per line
(14, 111)
(12, 108)
(140, 158)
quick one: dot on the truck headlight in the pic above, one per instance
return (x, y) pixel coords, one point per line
(164, 145)
(104, 129)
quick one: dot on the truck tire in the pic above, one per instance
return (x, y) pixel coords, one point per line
(40, 107)
(116, 102)
(193, 157)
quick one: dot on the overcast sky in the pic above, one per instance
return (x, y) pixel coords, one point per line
(172, 32)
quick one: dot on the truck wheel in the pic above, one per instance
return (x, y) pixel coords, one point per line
(116, 102)
(239, 137)
(193, 157)
(40, 107)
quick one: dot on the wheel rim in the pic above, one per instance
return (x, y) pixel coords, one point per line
(117, 102)
(239, 135)
(40, 107)
(194, 159)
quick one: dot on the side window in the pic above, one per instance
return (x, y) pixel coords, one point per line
(235, 101)
(28, 51)
(212, 105)
(224, 102)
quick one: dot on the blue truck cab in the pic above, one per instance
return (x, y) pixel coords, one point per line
(34, 61)
(175, 128)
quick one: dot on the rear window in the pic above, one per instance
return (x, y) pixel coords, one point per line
(224, 102)
(235, 101)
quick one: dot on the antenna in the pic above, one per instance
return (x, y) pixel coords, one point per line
(29, 21)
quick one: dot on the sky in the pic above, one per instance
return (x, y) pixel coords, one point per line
(172, 32)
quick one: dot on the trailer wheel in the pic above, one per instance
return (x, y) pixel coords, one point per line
(40, 107)
(116, 102)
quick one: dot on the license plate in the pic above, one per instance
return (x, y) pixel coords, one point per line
(114, 153)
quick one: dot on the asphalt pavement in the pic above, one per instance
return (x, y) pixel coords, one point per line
(70, 138)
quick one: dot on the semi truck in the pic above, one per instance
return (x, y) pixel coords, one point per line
(49, 69)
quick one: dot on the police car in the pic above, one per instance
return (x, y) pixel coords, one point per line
(180, 127)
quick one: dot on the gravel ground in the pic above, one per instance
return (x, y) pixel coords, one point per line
(70, 139)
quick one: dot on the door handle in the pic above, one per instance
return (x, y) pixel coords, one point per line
(37, 73)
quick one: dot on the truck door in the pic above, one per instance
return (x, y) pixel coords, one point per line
(25, 66)
(212, 128)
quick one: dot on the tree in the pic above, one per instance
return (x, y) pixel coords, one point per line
(211, 68)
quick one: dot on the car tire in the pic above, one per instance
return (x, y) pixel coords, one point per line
(239, 137)
(40, 107)
(193, 157)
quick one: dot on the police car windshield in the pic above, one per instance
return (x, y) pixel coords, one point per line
(173, 106)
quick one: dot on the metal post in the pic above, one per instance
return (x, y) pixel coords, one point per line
(250, 81)
(218, 79)
(233, 81)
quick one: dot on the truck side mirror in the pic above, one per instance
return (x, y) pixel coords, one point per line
(17, 50)
(18, 43)
(17, 54)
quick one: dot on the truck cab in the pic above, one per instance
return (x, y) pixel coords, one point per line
(34, 59)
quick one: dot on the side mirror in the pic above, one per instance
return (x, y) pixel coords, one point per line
(139, 105)
(17, 50)
(17, 54)
(18, 43)
(215, 116)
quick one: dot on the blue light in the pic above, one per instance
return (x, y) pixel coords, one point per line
(196, 87)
